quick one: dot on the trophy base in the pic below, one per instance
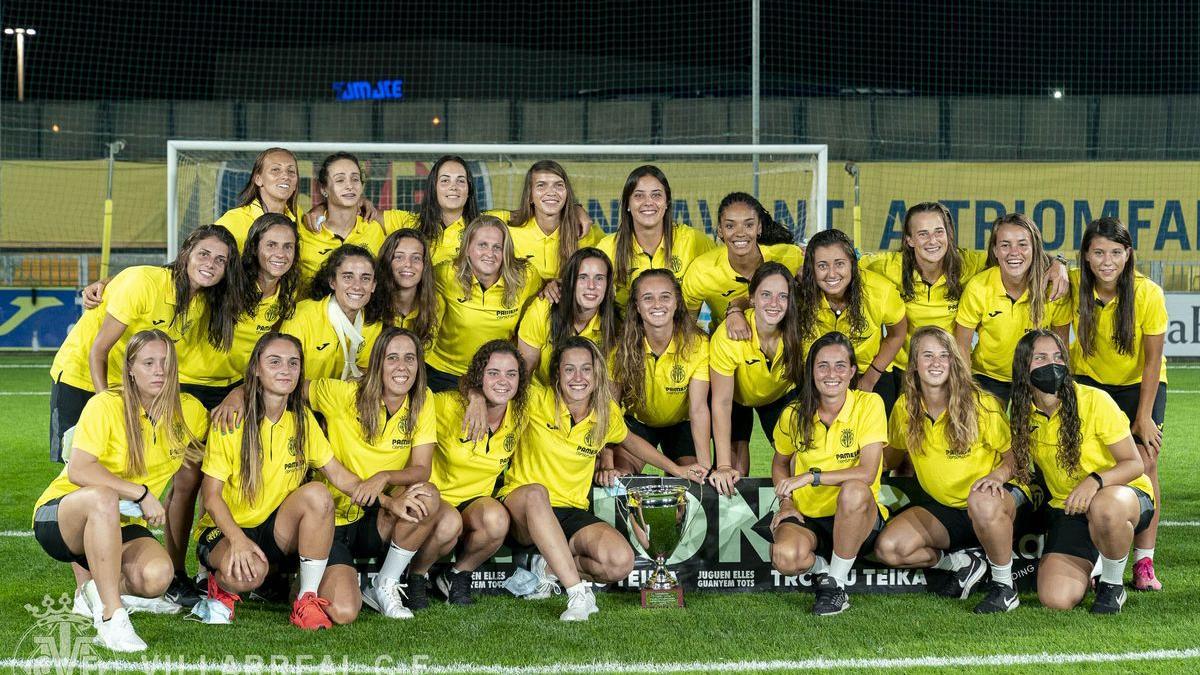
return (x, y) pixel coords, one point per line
(662, 599)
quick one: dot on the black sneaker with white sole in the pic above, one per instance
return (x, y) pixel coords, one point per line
(966, 577)
(418, 591)
(456, 586)
(831, 598)
(183, 591)
(998, 598)
(1110, 598)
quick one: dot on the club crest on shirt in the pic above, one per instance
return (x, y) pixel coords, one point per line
(676, 264)
(510, 443)
(847, 438)
(678, 373)
(273, 313)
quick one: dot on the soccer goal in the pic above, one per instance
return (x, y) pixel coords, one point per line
(791, 181)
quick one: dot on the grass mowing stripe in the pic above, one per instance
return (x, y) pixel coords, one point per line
(387, 665)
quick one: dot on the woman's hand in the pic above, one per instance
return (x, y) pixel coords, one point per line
(93, 294)
(786, 510)
(736, 326)
(551, 292)
(608, 477)
(789, 485)
(475, 424)
(1145, 429)
(152, 510)
(368, 491)
(1080, 499)
(226, 415)
(239, 564)
(724, 478)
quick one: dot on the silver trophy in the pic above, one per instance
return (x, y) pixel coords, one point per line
(658, 517)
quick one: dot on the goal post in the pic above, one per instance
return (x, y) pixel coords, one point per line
(790, 180)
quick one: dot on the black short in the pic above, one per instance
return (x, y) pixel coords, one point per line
(440, 380)
(1069, 534)
(675, 441)
(66, 404)
(1001, 390)
(572, 519)
(958, 523)
(823, 529)
(742, 421)
(888, 388)
(209, 397)
(1129, 396)
(263, 536)
(48, 534)
(359, 539)
(462, 506)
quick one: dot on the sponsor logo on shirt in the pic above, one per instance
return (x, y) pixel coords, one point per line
(322, 346)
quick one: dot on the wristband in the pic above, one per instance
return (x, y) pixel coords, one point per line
(145, 492)
(816, 474)
(1099, 480)
(872, 367)
(731, 309)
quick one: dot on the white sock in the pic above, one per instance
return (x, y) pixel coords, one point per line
(311, 572)
(952, 562)
(1139, 553)
(395, 563)
(1112, 571)
(580, 587)
(820, 566)
(839, 569)
(1001, 574)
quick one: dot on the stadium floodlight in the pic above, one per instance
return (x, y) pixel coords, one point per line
(204, 177)
(20, 33)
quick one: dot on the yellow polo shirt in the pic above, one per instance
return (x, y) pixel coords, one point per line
(757, 380)
(881, 307)
(712, 280)
(315, 247)
(447, 245)
(469, 321)
(541, 249)
(687, 244)
(323, 352)
(1105, 364)
(238, 220)
(535, 332)
(464, 469)
(668, 376)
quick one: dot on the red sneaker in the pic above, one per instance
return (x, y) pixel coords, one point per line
(1143, 576)
(308, 612)
(219, 598)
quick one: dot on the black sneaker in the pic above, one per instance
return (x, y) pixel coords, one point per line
(966, 577)
(418, 591)
(831, 598)
(183, 591)
(456, 586)
(1109, 598)
(999, 598)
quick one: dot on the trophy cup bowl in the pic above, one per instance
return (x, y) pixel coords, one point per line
(658, 517)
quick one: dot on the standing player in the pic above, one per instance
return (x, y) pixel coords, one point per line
(404, 296)
(758, 374)
(547, 488)
(661, 371)
(826, 469)
(259, 511)
(1099, 497)
(341, 181)
(837, 295)
(646, 238)
(719, 278)
(482, 294)
(1004, 301)
(957, 439)
(448, 205)
(546, 227)
(129, 443)
(1120, 328)
(272, 187)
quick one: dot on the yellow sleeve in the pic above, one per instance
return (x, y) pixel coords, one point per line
(974, 262)
(219, 456)
(898, 425)
(722, 355)
(617, 430)
(893, 306)
(874, 427)
(97, 423)
(1060, 312)
(1110, 423)
(1152, 314)
(700, 359)
(534, 329)
(793, 258)
(327, 395)
(130, 295)
(693, 289)
(319, 451)
(995, 432)
(426, 431)
(784, 443)
(195, 417)
(875, 262)
(503, 214)
(593, 237)
(970, 306)
(397, 219)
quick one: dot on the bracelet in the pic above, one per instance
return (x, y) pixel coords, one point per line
(1099, 480)
(731, 309)
(872, 367)
(145, 493)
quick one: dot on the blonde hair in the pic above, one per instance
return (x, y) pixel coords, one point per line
(512, 269)
(602, 395)
(962, 428)
(165, 408)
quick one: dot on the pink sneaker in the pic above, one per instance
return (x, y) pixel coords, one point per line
(1143, 576)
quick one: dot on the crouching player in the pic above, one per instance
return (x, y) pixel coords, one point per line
(259, 511)
(957, 438)
(129, 442)
(829, 503)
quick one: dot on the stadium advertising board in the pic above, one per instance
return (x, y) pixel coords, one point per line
(36, 318)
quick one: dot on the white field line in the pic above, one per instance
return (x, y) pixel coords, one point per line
(387, 664)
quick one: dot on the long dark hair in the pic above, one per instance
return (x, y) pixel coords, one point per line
(1123, 328)
(811, 294)
(625, 237)
(382, 304)
(629, 362)
(250, 473)
(472, 380)
(368, 398)
(285, 296)
(224, 299)
(772, 231)
(952, 264)
(562, 315)
(1070, 437)
(321, 284)
(249, 193)
(792, 337)
(568, 218)
(429, 214)
(809, 400)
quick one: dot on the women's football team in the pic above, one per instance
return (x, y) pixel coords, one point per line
(344, 385)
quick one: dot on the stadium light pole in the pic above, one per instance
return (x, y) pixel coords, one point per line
(20, 33)
(755, 88)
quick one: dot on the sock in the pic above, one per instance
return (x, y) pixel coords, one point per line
(1139, 553)
(950, 562)
(1112, 571)
(395, 563)
(455, 570)
(839, 569)
(820, 566)
(577, 588)
(311, 572)
(1001, 574)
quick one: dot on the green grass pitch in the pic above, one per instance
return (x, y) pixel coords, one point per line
(715, 630)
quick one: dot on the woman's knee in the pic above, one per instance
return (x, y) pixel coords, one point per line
(344, 609)
(854, 496)
(789, 559)
(151, 578)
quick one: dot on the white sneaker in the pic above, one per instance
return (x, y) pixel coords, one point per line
(387, 598)
(136, 603)
(580, 605)
(91, 600)
(118, 635)
(547, 584)
(81, 606)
